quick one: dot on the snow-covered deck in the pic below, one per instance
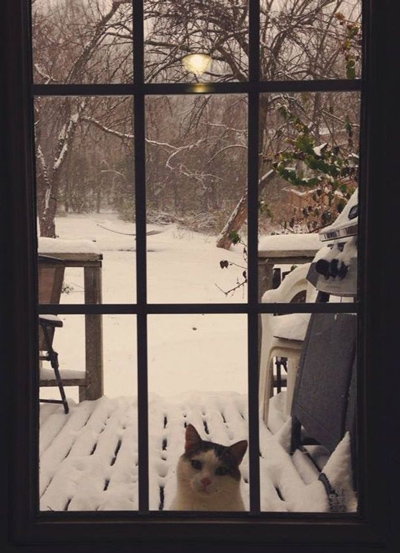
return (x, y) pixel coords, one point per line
(89, 458)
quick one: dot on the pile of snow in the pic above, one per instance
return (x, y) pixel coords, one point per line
(290, 242)
(57, 245)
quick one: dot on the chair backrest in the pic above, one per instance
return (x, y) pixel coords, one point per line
(324, 397)
(50, 280)
(294, 288)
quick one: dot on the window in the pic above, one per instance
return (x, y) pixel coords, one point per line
(147, 314)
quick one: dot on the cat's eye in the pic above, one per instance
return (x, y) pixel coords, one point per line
(197, 464)
(221, 471)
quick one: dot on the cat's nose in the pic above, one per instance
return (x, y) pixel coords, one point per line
(205, 481)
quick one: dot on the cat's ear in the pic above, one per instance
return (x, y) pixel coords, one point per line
(192, 439)
(238, 451)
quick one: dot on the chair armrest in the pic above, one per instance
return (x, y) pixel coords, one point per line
(50, 321)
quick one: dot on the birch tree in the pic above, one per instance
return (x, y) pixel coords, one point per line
(74, 42)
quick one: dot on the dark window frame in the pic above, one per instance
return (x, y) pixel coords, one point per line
(26, 526)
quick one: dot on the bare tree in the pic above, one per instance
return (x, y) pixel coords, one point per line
(74, 42)
(91, 41)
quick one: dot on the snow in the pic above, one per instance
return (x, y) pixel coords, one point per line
(292, 326)
(48, 374)
(89, 458)
(332, 251)
(288, 242)
(197, 373)
(182, 266)
(343, 218)
(56, 245)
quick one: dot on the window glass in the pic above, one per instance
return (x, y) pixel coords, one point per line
(308, 193)
(89, 457)
(85, 194)
(198, 377)
(305, 39)
(195, 189)
(216, 33)
(308, 396)
(196, 169)
(82, 41)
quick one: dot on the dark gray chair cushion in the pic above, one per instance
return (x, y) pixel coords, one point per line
(324, 399)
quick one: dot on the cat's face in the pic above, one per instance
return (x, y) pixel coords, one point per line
(209, 468)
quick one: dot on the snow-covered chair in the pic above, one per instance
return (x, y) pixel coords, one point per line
(50, 280)
(283, 335)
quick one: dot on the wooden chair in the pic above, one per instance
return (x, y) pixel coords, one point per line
(50, 279)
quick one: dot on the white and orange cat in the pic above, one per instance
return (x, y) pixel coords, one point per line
(208, 475)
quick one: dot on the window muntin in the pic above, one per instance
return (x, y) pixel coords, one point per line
(253, 100)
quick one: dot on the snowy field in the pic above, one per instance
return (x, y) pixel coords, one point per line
(186, 352)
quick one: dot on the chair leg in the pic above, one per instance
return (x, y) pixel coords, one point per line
(54, 363)
(295, 441)
(292, 368)
(278, 365)
(53, 358)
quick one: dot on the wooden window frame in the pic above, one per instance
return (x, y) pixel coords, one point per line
(23, 525)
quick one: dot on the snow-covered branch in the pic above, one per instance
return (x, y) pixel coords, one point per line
(42, 73)
(66, 136)
(230, 146)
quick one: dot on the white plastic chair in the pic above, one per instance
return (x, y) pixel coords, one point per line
(283, 335)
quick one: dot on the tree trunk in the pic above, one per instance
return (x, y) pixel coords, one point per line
(239, 214)
(47, 223)
(46, 206)
(234, 223)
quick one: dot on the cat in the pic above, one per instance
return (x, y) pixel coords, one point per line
(208, 475)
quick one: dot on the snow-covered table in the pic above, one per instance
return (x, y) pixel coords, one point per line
(283, 249)
(85, 254)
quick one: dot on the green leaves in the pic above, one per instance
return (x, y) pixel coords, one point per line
(351, 69)
(329, 171)
(235, 237)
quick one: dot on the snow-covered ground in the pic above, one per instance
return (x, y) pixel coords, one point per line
(197, 374)
(89, 458)
(186, 352)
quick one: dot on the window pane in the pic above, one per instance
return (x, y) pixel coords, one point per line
(303, 39)
(309, 155)
(85, 195)
(82, 41)
(196, 155)
(308, 402)
(175, 29)
(197, 376)
(89, 457)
